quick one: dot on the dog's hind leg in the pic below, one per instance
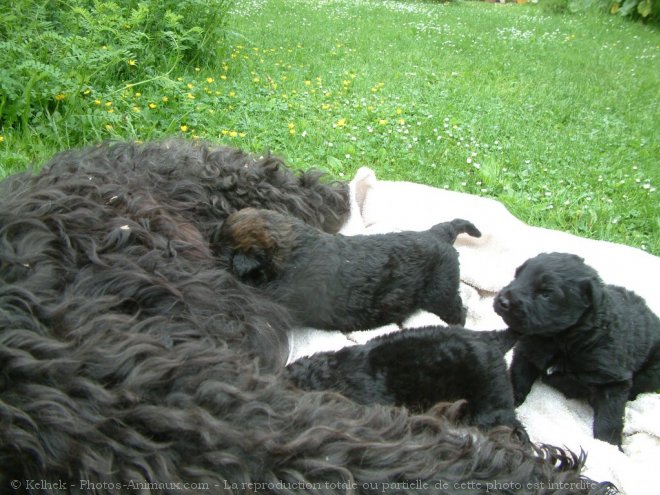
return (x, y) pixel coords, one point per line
(648, 378)
(609, 403)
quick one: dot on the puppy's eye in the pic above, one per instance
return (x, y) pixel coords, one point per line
(544, 293)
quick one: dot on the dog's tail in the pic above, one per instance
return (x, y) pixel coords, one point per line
(448, 231)
(502, 339)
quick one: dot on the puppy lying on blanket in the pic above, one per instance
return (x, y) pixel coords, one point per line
(418, 368)
(587, 339)
(335, 282)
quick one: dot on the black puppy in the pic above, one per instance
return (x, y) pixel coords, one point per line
(347, 283)
(418, 368)
(587, 339)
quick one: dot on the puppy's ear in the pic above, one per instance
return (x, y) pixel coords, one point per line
(591, 292)
(244, 265)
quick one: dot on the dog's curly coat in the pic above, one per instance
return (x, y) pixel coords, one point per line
(587, 339)
(128, 355)
(347, 283)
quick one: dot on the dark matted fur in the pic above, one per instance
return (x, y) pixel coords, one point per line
(419, 368)
(587, 339)
(347, 283)
(128, 355)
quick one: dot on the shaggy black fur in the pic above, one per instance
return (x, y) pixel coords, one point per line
(587, 339)
(418, 368)
(129, 356)
(347, 283)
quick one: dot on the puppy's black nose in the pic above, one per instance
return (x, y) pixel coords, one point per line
(503, 302)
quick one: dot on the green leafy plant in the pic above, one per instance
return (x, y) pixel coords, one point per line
(57, 52)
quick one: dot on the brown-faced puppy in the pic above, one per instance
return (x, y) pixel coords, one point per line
(587, 339)
(418, 368)
(347, 283)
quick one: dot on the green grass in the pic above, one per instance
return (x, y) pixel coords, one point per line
(556, 116)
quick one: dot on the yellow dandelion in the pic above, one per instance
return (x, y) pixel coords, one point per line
(399, 111)
(110, 110)
(382, 121)
(132, 62)
(325, 106)
(190, 85)
(241, 134)
(255, 80)
(138, 94)
(233, 134)
(108, 127)
(340, 123)
(87, 92)
(223, 77)
(136, 109)
(232, 93)
(184, 128)
(97, 102)
(108, 103)
(402, 121)
(197, 69)
(224, 132)
(59, 97)
(152, 105)
(2, 138)
(308, 83)
(190, 96)
(210, 80)
(165, 99)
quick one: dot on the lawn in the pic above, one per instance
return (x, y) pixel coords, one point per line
(554, 115)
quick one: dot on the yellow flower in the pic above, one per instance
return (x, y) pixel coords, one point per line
(108, 103)
(325, 106)
(256, 80)
(223, 77)
(136, 109)
(190, 96)
(97, 102)
(132, 62)
(165, 99)
(184, 128)
(340, 123)
(402, 121)
(224, 132)
(308, 83)
(2, 138)
(399, 111)
(233, 134)
(108, 127)
(138, 94)
(241, 134)
(209, 80)
(232, 93)
(152, 105)
(197, 69)
(382, 121)
(59, 97)
(190, 85)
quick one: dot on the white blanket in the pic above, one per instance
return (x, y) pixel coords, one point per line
(488, 264)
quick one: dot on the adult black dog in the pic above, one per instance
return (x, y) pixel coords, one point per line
(587, 339)
(347, 283)
(419, 368)
(131, 361)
